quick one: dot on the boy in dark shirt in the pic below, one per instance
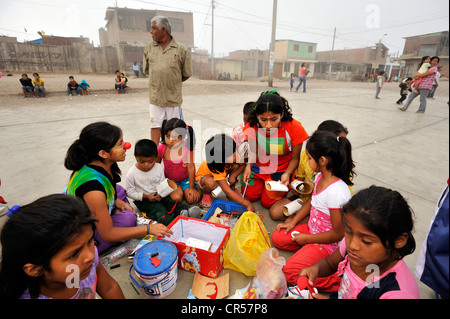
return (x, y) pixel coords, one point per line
(73, 85)
(27, 85)
(404, 88)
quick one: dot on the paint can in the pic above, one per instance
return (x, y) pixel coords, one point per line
(155, 265)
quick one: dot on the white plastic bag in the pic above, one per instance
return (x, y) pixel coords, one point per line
(269, 282)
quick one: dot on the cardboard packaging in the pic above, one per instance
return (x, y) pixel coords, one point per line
(206, 262)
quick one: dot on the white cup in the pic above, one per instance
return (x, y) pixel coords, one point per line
(166, 188)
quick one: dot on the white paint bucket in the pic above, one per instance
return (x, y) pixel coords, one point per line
(155, 264)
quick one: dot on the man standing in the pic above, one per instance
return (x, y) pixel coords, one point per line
(168, 64)
(424, 87)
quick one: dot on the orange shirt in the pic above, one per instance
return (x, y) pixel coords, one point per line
(274, 151)
(204, 170)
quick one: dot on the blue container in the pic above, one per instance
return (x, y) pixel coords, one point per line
(159, 280)
(225, 206)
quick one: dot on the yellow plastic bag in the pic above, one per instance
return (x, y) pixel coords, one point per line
(248, 239)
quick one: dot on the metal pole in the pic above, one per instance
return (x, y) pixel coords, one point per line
(332, 53)
(212, 40)
(272, 43)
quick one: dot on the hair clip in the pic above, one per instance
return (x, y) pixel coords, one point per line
(256, 105)
(187, 127)
(12, 210)
(269, 92)
(337, 138)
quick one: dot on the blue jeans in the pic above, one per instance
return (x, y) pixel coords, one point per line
(302, 79)
(69, 90)
(39, 88)
(423, 99)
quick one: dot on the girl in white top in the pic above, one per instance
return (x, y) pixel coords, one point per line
(317, 225)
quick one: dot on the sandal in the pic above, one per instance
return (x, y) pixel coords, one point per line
(207, 200)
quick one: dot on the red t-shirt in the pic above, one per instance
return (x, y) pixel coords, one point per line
(274, 151)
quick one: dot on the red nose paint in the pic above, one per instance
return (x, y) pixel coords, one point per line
(127, 145)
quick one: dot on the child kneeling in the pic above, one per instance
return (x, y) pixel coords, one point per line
(142, 180)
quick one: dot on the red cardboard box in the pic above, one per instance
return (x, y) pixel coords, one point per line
(206, 262)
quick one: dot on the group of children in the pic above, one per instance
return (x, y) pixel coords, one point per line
(335, 237)
(33, 86)
(120, 82)
(36, 86)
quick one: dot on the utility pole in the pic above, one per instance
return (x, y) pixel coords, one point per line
(272, 43)
(332, 54)
(212, 40)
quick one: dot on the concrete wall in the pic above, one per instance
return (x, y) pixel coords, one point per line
(82, 58)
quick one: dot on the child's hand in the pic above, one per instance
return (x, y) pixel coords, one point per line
(250, 208)
(152, 197)
(288, 225)
(192, 195)
(246, 174)
(311, 272)
(160, 230)
(299, 239)
(285, 179)
(121, 205)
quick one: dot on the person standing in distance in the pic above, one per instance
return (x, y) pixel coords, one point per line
(168, 64)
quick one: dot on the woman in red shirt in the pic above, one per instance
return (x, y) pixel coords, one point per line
(275, 141)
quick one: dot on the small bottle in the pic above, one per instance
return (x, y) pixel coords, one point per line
(124, 249)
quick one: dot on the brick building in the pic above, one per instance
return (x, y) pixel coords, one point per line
(421, 45)
(353, 61)
(128, 30)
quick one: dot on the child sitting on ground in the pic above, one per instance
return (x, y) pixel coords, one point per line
(305, 173)
(27, 85)
(377, 228)
(177, 153)
(85, 88)
(221, 162)
(48, 252)
(142, 180)
(73, 86)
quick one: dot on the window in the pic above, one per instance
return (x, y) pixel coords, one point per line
(296, 47)
(310, 48)
(287, 67)
(428, 49)
(177, 25)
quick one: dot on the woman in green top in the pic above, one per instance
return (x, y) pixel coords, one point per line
(93, 159)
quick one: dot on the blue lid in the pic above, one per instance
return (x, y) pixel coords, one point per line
(163, 250)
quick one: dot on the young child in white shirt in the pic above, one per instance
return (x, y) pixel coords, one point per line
(142, 180)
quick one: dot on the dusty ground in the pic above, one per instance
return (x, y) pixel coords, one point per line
(403, 151)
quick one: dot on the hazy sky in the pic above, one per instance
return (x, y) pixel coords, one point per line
(243, 24)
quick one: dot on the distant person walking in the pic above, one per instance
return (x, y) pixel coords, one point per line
(424, 87)
(304, 71)
(380, 82)
(168, 64)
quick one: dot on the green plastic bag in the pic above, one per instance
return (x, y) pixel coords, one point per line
(248, 239)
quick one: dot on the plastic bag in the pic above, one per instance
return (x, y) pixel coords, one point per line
(248, 239)
(269, 282)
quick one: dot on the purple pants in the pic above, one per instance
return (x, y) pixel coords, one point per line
(126, 218)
